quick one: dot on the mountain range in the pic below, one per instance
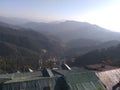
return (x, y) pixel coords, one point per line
(61, 39)
(75, 37)
(71, 30)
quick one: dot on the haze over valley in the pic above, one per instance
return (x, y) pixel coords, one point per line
(62, 40)
(42, 34)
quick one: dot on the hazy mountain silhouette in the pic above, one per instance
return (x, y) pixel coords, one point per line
(71, 30)
(13, 20)
(66, 30)
(27, 38)
(78, 37)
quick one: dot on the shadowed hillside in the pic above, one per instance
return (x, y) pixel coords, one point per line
(109, 56)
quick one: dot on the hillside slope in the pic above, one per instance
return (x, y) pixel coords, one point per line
(21, 48)
(13, 58)
(81, 46)
(28, 39)
(110, 55)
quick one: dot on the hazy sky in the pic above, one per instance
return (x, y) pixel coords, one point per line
(105, 13)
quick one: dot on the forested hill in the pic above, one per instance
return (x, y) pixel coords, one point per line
(20, 48)
(13, 58)
(28, 39)
(110, 56)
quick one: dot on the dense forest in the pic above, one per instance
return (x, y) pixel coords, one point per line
(21, 48)
(109, 56)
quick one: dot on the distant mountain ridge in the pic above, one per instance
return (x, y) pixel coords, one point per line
(66, 30)
(27, 38)
(13, 20)
(71, 30)
(82, 43)
(77, 37)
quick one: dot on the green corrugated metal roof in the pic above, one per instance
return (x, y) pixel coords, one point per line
(37, 83)
(21, 75)
(84, 81)
(26, 79)
(64, 72)
(76, 80)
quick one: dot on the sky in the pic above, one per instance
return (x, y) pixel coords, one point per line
(105, 13)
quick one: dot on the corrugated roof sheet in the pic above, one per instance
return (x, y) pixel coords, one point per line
(30, 84)
(75, 79)
(64, 72)
(110, 77)
(21, 75)
(84, 81)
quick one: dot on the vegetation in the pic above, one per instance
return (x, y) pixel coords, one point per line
(21, 48)
(108, 56)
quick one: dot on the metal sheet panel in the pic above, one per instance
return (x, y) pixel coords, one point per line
(109, 77)
(84, 81)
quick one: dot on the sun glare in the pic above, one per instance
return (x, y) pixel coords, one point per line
(108, 18)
